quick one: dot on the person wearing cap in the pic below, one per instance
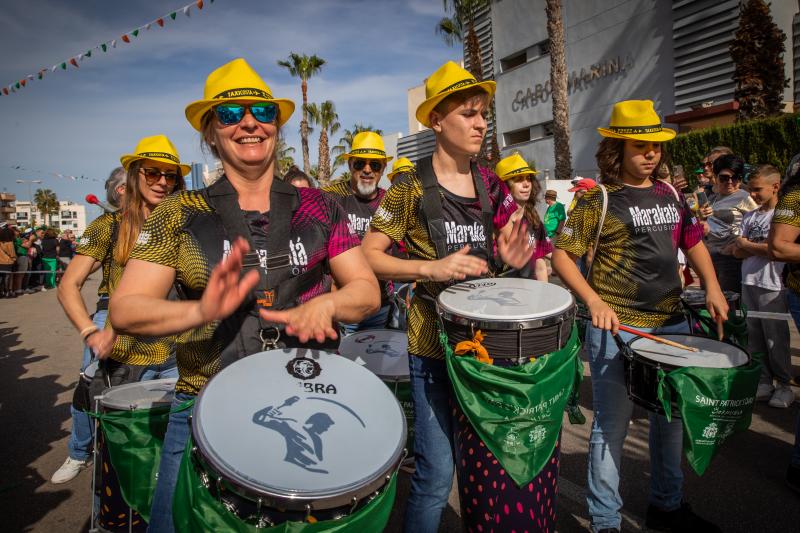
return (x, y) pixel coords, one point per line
(202, 241)
(524, 187)
(147, 176)
(633, 280)
(555, 215)
(454, 109)
(401, 165)
(359, 197)
(579, 187)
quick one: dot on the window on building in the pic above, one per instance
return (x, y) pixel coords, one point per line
(515, 60)
(74, 214)
(542, 131)
(544, 47)
(75, 225)
(54, 223)
(517, 136)
(65, 214)
(22, 215)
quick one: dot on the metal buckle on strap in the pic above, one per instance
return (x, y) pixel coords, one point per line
(251, 260)
(269, 338)
(279, 261)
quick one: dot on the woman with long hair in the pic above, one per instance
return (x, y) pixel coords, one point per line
(7, 259)
(633, 280)
(455, 110)
(198, 240)
(525, 189)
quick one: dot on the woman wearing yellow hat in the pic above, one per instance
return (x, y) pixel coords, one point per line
(244, 217)
(477, 208)
(633, 280)
(525, 189)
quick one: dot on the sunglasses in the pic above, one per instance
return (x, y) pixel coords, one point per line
(230, 114)
(725, 178)
(153, 176)
(707, 164)
(359, 164)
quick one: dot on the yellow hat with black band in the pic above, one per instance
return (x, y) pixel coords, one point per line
(636, 120)
(513, 166)
(403, 164)
(368, 145)
(448, 79)
(235, 82)
(156, 148)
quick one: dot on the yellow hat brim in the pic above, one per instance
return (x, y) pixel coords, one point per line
(424, 110)
(126, 161)
(666, 134)
(197, 110)
(394, 173)
(385, 158)
(518, 174)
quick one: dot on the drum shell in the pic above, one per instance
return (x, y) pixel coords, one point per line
(402, 391)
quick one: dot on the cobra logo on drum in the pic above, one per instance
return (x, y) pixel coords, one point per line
(304, 436)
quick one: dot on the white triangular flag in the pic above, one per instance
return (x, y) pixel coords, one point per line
(186, 10)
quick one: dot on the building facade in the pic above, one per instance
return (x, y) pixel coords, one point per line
(8, 210)
(70, 215)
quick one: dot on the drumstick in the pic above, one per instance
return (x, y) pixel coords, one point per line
(650, 336)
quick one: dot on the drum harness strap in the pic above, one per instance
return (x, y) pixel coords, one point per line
(434, 216)
(276, 289)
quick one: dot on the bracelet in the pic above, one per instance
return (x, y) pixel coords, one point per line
(88, 330)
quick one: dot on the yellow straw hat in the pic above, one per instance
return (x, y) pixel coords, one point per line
(368, 145)
(156, 148)
(235, 82)
(448, 79)
(513, 166)
(636, 120)
(403, 164)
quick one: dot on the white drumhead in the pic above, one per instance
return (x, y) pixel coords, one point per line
(140, 395)
(711, 353)
(299, 424)
(383, 351)
(505, 299)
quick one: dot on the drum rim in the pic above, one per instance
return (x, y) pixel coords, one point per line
(321, 500)
(404, 378)
(446, 310)
(661, 364)
(131, 407)
(508, 325)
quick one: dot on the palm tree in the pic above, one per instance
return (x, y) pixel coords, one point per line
(346, 141)
(284, 157)
(326, 117)
(303, 67)
(47, 204)
(452, 29)
(558, 82)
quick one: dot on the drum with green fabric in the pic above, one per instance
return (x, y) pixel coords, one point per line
(700, 322)
(385, 353)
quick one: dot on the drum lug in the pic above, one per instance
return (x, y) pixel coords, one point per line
(353, 507)
(204, 479)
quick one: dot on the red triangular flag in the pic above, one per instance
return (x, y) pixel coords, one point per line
(23, 82)
(199, 4)
(126, 38)
(5, 91)
(160, 22)
(73, 62)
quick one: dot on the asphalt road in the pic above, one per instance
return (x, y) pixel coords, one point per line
(743, 490)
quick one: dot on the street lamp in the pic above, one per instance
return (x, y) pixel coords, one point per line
(30, 194)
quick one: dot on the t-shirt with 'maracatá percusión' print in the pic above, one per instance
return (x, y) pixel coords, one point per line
(635, 270)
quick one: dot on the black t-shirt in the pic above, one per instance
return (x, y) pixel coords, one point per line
(65, 248)
(49, 248)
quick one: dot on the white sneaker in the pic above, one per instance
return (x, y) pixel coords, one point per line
(764, 392)
(782, 397)
(70, 469)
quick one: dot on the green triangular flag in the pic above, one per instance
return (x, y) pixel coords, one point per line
(17, 85)
(135, 32)
(173, 15)
(64, 66)
(88, 53)
(104, 46)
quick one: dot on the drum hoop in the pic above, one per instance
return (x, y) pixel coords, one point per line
(328, 499)
(133, 407)
(660, 364)
(507, 325)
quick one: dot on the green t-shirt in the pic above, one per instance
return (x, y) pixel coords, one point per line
(553, 217)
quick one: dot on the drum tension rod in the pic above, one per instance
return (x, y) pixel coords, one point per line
(353, 507)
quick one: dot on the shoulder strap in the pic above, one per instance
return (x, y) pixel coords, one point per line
(603, 211)
(673, 189)
(432, 207)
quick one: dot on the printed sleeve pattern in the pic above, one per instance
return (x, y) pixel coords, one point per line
(581, 229)
(691, 229)
(96, 240)
(788, 209)
(342, 237)
(159, 241)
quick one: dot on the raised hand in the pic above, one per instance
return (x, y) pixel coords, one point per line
(226, 288)
(515, 248)
(312, 320)
(456, 266)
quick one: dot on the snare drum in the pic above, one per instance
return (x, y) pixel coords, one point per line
(519, 318)
(115, 514)
(296, 435)
(385, 353)
(645, 357)
(696, 299)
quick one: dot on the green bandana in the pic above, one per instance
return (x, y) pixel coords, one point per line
(517, 411)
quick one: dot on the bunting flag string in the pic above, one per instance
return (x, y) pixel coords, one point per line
(127, 38)
(22, 168)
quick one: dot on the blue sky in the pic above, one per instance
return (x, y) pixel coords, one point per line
(80, 121)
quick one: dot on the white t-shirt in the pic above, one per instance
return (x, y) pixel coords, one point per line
(758, 270)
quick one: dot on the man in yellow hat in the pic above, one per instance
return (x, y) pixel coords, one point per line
(360, 196)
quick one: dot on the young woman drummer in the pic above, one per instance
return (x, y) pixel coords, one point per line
(634, 281)
(525, 189)
(455, 110)
(192, 240)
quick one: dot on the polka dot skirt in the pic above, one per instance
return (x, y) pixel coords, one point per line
(490, 500)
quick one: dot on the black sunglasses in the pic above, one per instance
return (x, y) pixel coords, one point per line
(153, 176)
(725, 178)
(359, 164)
